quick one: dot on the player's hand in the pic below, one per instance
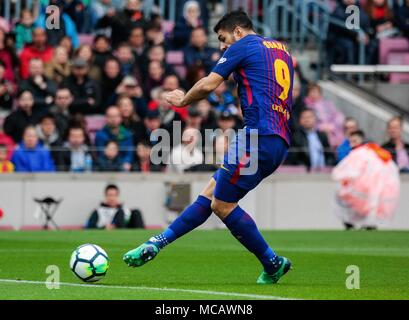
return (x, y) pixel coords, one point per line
(175, 98)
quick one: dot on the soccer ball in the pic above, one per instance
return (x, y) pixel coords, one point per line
(89, 262)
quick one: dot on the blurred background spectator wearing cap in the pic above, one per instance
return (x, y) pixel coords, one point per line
(86, 91)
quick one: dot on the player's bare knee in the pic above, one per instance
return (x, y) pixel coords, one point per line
(222, 209)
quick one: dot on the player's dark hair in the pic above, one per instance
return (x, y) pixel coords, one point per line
(111, 187)
(234, 19)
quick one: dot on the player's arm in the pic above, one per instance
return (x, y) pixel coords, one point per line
(231, 60)
(198, 92)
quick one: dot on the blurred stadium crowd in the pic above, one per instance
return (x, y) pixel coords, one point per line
(88, 95)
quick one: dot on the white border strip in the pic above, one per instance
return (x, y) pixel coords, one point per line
(211, 293)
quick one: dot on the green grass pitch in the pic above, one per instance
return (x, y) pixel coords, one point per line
(209, 265)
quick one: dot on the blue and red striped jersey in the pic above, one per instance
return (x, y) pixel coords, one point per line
(263, 69)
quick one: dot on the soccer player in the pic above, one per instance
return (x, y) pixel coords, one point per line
(263, 69)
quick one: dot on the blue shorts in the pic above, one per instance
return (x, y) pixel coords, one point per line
(246, 165)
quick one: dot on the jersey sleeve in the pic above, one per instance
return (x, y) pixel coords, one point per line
(231, 59)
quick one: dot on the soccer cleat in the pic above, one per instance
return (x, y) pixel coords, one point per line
(265, 278)
(141, 255)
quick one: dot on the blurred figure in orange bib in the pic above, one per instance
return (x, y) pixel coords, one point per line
(368, 185)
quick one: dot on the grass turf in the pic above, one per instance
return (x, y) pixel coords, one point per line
(211, 261)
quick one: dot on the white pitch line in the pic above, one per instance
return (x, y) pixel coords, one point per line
(212, 293)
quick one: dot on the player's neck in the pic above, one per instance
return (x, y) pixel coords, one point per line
(248, 33)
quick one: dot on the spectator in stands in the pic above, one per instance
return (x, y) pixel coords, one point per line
(401, 14)
(138, 44)
(310, 147)
(129, 87)
(66, 43)
(7, 89)
(169, 114)
(61, 110)
(127, 61)
(154, 33)
(171, 83)
(130, 119)
(194, 74)
(17, 121)
(39, 49)
(31, 156)
(380, 16)
(194, 119)
(6, 166)
(115, 131)
(66, 28)
(85, 90)
(111, 79)
(222, 99)
(396, 146)
(8, 58)
(191, 19)
(42, 88)
(123, 21)
(7, 141)
(111, 214)
(329, 119)
(156, 75)
(74, 151)
(152, 122)
(226, 121)
(350, 125)
(80, 13)
(209, 118)
(48, 134)
(381, 22)
(101, 50)
(187, 154)
(85, 52)
(24, 29)
(143, 161)
(110, 160)
(157, 53)
(198, 52)
(298, 104)
(105, 7)
(342, 42)
(59, 67)
(4, 24)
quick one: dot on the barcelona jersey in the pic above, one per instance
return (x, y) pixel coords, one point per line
(264, 71)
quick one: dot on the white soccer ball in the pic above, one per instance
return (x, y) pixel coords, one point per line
(89, 262)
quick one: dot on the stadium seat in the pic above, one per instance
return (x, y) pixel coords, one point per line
(167, 27)
(181, 71)
(401, 59)
(175, 57)
(389, 45)
(86, 38)
(94, 124)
